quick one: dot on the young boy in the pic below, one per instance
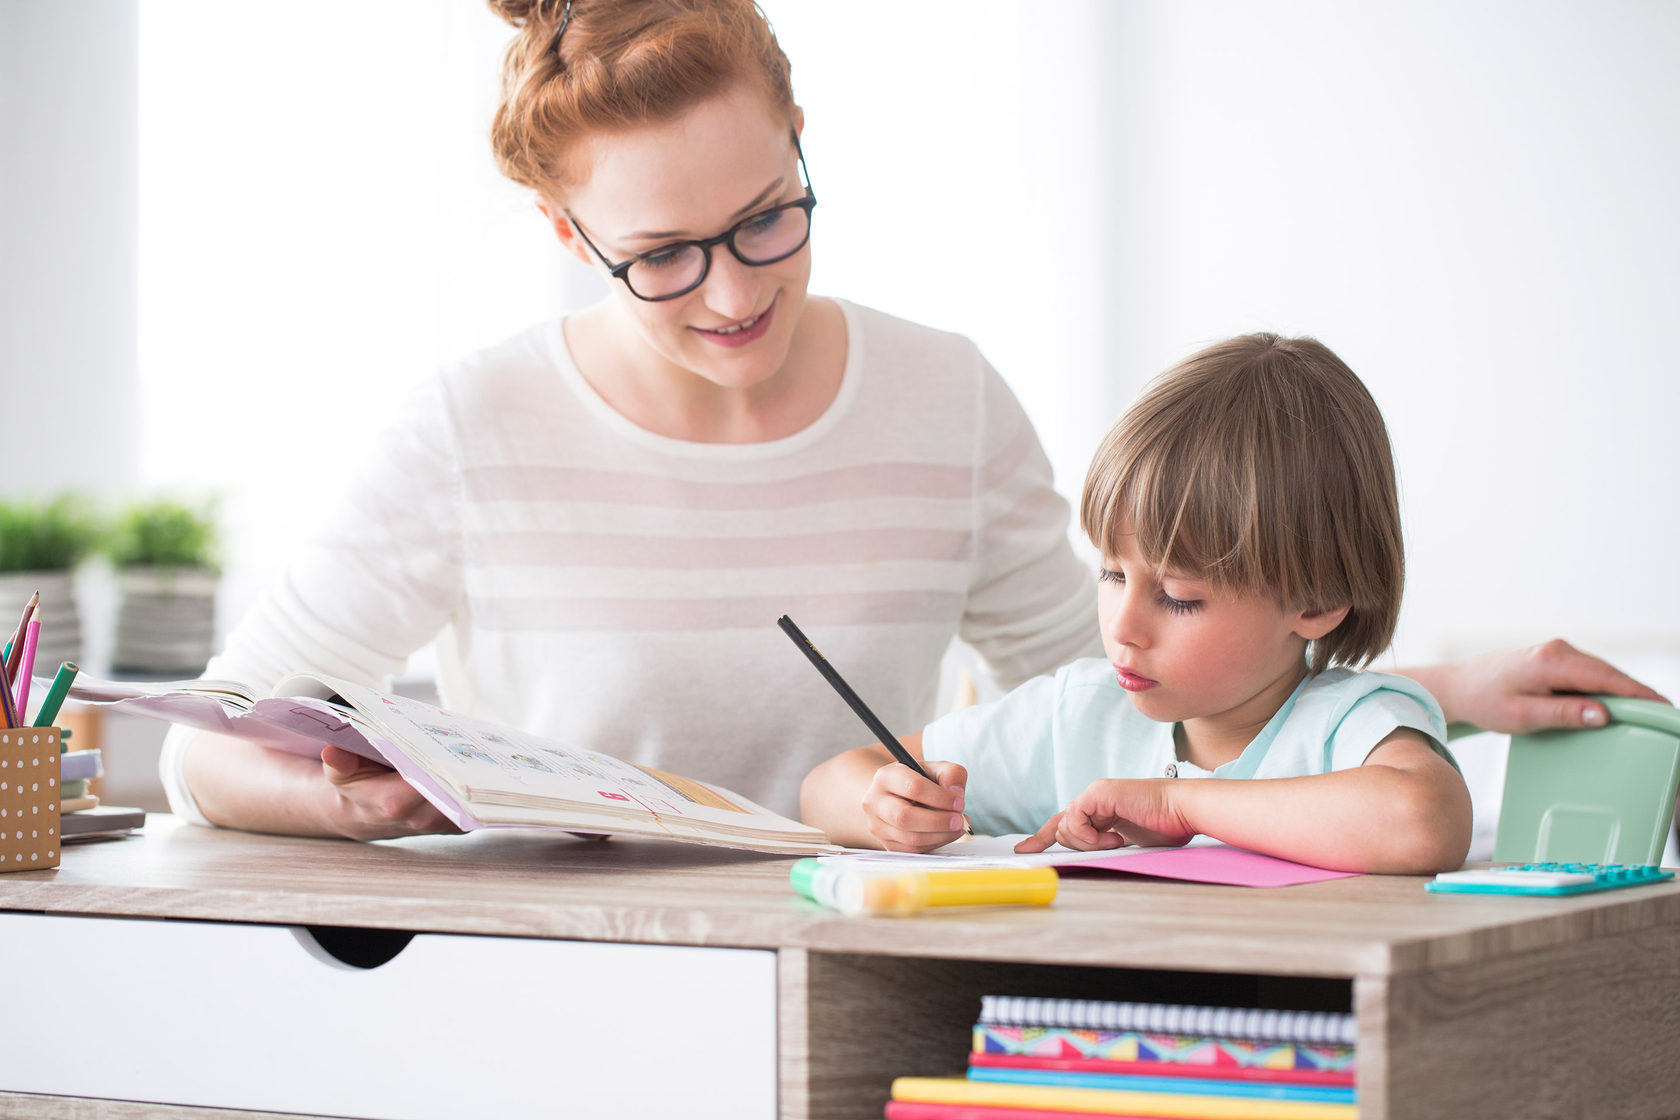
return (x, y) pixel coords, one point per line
(1246, 511)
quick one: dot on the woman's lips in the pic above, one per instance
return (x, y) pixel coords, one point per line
(1133, 682)
(743, 333)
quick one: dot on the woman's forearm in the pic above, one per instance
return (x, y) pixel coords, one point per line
(241, 784)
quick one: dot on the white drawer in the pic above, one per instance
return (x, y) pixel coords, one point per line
(257, 1017)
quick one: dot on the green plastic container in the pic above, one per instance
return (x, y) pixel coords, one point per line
(1593, 795)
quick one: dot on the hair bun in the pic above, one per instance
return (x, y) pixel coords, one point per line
(522, 13)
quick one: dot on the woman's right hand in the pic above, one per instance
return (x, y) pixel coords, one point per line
(374, 802)
(908, 813)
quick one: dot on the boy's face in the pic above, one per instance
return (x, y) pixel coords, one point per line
(1187, 653)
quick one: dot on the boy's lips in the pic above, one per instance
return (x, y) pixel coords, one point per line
(1133, 682)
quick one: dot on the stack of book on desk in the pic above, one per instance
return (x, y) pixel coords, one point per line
(1066, 1058)
(81, 816)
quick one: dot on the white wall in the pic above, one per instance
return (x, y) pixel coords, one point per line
(1475, 204)
(1472, 203)
(67, 244)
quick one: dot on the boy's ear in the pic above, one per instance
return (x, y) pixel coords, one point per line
(564, 230)
(1313, 625)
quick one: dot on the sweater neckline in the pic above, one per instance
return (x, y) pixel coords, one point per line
(622, 426)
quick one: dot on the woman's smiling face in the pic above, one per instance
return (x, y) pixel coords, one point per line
(690, 179)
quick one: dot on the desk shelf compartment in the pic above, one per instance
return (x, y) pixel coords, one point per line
(259, 1017)
(853, 1022)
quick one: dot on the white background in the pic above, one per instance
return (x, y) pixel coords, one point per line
(294, 212)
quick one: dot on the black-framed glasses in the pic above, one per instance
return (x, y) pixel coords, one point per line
(678, 268)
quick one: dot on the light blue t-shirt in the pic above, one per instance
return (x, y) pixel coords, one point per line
(1040, 746)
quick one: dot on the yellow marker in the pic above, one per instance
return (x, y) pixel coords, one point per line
(906, 892)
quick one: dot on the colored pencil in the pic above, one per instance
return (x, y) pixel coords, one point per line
(56, 693)
(14, 652)
(26, 668)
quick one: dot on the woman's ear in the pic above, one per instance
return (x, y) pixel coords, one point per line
(564, 229)
(1313, 625)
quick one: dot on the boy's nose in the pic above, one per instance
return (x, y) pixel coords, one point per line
(1127, 624)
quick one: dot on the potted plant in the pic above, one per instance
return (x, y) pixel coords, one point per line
(41, 544)
(164, 553)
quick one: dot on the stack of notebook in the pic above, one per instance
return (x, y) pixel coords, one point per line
(82, 817)
(1063, 1058)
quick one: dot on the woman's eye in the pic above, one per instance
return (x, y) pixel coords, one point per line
(763, 223)
(664, 258)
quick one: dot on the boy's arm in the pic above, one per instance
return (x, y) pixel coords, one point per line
(862, 799)
(1405, 811)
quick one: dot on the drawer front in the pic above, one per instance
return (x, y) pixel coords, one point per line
(258, 1017)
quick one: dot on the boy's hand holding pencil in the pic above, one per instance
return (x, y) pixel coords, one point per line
(911, 813)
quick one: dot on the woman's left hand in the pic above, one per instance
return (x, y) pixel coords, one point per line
(1522, 690)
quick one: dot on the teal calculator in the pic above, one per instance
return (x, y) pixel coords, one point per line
(1547, 878)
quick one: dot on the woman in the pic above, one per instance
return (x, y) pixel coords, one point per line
(606, 514)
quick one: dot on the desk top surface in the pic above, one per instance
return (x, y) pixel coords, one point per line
(536, 884)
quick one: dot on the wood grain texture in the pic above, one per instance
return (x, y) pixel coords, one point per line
(1588, 1030)
(532, 884)
(1467, 1006)
(33, 1106)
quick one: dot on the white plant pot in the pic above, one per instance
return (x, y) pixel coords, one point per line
(166, 621)
(61, 620)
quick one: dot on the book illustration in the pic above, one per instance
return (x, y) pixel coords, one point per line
(1216, 1051)
(478, 774)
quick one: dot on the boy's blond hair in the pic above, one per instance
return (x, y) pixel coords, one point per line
(1262, 465)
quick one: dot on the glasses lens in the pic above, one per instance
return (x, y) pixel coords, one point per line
(772, 235)
(667, 273)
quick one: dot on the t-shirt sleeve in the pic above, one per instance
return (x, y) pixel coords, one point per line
(1007, 747)
(1383, 704)
(1031, 604)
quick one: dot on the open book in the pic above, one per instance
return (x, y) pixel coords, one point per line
(478, 775)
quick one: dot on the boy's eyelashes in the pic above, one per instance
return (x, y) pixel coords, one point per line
(1162, 599)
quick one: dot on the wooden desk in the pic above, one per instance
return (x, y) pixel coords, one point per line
(1467, 1007)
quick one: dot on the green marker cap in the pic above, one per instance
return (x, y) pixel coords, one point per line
(803, 876)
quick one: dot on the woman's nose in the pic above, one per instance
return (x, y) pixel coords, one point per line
(731, 288)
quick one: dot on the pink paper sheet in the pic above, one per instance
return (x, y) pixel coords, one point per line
(1230, 866)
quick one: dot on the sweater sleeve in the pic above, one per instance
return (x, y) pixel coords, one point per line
(376, 583)
(1031, 604)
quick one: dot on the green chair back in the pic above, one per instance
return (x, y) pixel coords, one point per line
(1593, 795)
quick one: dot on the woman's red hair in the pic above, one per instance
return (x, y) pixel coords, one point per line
(621, 64)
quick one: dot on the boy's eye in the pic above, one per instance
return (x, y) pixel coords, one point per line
(1179, 606)
(1109, 575)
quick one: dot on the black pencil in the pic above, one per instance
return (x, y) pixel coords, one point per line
(870, 720)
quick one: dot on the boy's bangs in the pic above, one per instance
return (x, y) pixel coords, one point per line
(1167, 495)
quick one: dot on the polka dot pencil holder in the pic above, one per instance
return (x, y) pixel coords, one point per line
(29, 801)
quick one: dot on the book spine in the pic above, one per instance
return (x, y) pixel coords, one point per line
(1122, 1102)
(1208, 1070)
(1142, 1046)
(1206, 1087)
(1258, 1023)
(929, 1110)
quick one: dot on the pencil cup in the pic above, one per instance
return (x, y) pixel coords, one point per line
(29, 798)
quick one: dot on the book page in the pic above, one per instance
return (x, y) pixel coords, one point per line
(503, 775)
